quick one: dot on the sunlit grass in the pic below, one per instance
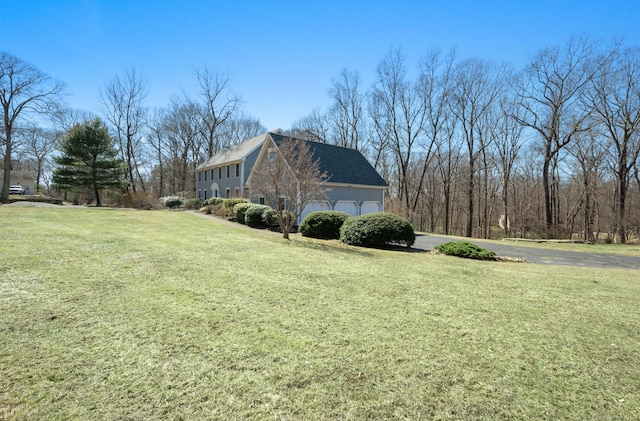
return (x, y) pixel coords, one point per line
(115, 314)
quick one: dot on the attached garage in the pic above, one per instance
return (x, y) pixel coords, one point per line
(347, 206)
(371, 207)
(315, 206)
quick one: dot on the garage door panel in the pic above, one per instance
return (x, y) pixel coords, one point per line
(371, 207)
(315, 206)
(347, 206)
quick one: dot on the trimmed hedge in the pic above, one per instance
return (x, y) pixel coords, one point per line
(239, 211)
(377, 230)
(324, 225)
(253, 216)
(193, 204)
(172, 202)
(215, 201)
(270, 217)
(231, 202)
(466, 249)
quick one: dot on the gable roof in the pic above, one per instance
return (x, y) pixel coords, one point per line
(342, 165)
(234, 152)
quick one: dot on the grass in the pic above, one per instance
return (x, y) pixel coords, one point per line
(115, 314)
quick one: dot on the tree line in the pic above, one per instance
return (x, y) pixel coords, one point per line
(468, 146)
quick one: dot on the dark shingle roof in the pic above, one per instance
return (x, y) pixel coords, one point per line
(342, 165)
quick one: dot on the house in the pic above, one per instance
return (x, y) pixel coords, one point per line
(353, 185)
(25, 179)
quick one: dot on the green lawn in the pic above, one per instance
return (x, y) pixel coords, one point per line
(118, 314)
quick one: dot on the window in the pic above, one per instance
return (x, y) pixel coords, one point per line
(205, 176)
(281, 203)
(237, 170)
(198, 194)
(215, 193)
(199, 177)
(228, 192)
(228, 170)
(261, 200)
(220, 173)
(205, 194)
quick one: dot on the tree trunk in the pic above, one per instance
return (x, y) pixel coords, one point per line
(7, 162)
(621, 195)
(470, 203)
(97, 193)
(548, 218)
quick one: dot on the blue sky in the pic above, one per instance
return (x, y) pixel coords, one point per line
(281, 56)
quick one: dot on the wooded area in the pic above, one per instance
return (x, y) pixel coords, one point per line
(468, 146)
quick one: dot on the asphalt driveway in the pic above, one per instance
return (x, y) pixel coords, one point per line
(536, 255)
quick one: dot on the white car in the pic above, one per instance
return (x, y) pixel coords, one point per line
(16, 189)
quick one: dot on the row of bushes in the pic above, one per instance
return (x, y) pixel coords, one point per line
(370, 230)
(376, 230)
(379, 230)
(242, 211)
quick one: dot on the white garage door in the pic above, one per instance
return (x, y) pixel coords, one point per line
(349, 207)
(371, 206)
(315, 206)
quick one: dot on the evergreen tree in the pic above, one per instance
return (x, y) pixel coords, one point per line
(89, 162)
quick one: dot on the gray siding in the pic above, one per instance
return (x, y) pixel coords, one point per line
(357, 194)
(249, 162)
(205, 187)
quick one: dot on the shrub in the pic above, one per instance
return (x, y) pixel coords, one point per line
(215, 201)
(239, 211)
(253, 215)
(324, 224)
(270, 217)
(222, 211)
(377, 230)
(231, 202)
(172, 202)
(206, 209)
(193, 204)
(466, 249)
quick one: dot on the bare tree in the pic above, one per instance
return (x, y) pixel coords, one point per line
(548, 97)
(478, 86)
(589, 150)
(288, 178)
(217, 107)
(435, 87)
(38, 145)
(182, 143)
(23, 90)
(346, 113)
(314, 127)
(399, 110)
(614, 97)
(242, 128)
(507, 144)
(123, 101)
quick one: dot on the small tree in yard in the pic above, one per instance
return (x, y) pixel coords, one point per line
(289, 179)
(89, 161)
